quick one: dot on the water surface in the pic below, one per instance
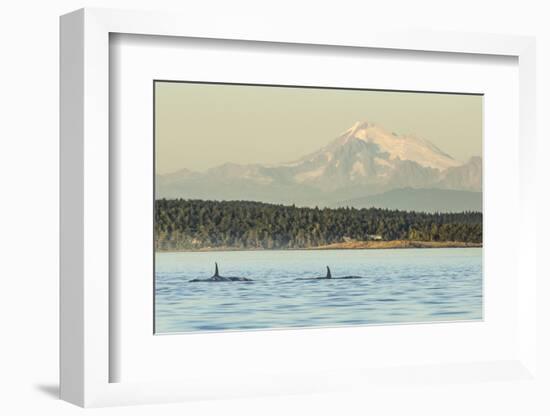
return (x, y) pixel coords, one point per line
(399, 286)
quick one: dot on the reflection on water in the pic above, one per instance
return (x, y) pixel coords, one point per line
(400, 285)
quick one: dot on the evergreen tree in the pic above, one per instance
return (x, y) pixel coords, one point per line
(193, 224)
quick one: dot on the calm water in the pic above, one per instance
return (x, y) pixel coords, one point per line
(404, 285)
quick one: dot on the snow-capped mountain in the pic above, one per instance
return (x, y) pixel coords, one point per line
(365, 160)
(397, 147)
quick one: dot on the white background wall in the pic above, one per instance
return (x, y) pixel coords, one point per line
(29, 208)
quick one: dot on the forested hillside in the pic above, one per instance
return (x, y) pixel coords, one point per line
(197, 224)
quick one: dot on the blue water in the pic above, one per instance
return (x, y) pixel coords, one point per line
(399, 285)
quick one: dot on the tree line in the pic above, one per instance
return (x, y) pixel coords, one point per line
(182, 224)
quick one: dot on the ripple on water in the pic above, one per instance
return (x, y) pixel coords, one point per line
(399, 286)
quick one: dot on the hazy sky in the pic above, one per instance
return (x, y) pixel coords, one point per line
(199, 126)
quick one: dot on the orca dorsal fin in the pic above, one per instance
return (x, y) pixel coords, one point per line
(329, 276)
(216, 273)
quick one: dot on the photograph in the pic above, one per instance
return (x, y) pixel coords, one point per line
(286, 207)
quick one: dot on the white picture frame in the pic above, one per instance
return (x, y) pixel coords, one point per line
(86, 304)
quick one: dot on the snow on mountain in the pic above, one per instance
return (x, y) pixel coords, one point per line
(365, 160)
(407, 147)
(369, 150)
(368, 155)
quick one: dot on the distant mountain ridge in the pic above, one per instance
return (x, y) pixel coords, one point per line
(421, 200)
(365, 160)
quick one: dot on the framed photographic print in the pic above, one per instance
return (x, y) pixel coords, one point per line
(305, 208)
(300, 216)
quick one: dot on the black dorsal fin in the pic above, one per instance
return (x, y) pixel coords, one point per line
(216, 273)
(329, 276)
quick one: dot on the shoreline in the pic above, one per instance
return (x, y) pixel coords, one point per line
(349, 245)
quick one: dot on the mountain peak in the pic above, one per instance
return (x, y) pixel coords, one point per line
(365, 159)
(399, 147)
(357, 126)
